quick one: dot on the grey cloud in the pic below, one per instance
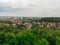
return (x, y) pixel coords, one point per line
(37, 8)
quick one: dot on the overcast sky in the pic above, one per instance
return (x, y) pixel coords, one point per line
(39, 8)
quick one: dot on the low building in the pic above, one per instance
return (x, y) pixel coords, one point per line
(28, 25)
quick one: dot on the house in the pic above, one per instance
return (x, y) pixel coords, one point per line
(4, 24)
(51, 24)
(28, 25)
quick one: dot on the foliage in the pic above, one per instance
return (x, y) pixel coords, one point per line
(35, 36)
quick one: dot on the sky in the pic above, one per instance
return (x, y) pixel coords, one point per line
(30, 8)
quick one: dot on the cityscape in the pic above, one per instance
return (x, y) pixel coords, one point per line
(29, 22)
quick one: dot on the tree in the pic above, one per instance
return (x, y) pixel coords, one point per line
(10, 38)
(57, 40)
(2, 38)
(29, 38)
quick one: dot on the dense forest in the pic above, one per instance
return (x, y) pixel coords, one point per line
(49, 19)
(34, 36)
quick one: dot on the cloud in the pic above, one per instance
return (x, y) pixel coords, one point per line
(16, 3)
(37, 8)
